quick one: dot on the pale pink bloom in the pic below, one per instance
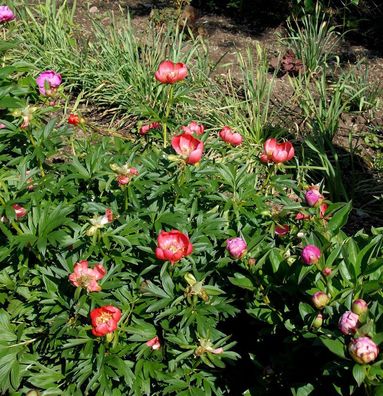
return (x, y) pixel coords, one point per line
(194, 128)
(363, 350)
(217, 351)
(146, 128)
(348, 323)
(154, 343)
(236, 247)
(311, 254)
(6, 14)
(48, 82)
(359, 306)
(19, 211)
(124, 173)
(228, 136)
(85, 277)
(313, 196)
(2, 126)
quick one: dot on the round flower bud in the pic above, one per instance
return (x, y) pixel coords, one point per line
(313, 196)
(359, 306)
(320, 299)
(363, 350)
(311, 254)
(318, 321)
(236, 247)
(348, 323)
(327, 271)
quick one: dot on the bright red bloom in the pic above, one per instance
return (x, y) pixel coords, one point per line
(169, 72)
(277, 152)
(19, 211)
(154, 343)
(188, 147)
(85, 277)
(104, 320)
(146, 128)
(228, 136)
(194, 128)
(73, 119)
(172, 246)
(322, 210)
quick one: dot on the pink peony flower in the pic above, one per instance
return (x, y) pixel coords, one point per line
(169, 72)
(188, 147)
(172, 246)
(277, 152)
(154, 343)
(313, 196)
(236, 247)
(194, 128)
(85, 277)
(48, 82)
(104, 320)
(348, 323)
(363, 350)
(20, 212)
(146, 128)
(226, 134)
(320, 299)
(311, 254)
(302, 216)
(6, 14)
(359, 306)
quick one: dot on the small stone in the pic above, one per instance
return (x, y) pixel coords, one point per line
(93, 10)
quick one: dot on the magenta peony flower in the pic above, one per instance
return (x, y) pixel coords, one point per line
(236, 247)
(6, 14)
(20, 211)
(310, 254)
(48, 81)
(348, 323)
(313, 196)
(363, 350)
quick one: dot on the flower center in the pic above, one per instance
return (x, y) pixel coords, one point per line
(105, 317)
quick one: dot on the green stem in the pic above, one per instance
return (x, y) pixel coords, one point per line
(167, 112)
(30, 136)
(126, 198)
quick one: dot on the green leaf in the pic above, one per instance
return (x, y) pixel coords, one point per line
(241, 281)
(359, 373)
(335, 346)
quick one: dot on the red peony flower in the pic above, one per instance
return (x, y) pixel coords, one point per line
(188, 147)
(169, 72)
(277, 152)
(228, 136)
(194, 128)
(73, 119)
(20, 212)
(172, 246)
(104, 320)
(85, 277)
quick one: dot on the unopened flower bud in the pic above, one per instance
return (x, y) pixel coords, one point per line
(359, 306)
(363, 350)
(318, 321)
(348, 323)
(311, 254)
(313, 196)
(327, 271)
(320, 299)
(236, 247)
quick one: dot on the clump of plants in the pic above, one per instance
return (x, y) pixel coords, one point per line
(170, 260)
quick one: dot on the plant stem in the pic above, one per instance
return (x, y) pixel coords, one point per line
(169, 104)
